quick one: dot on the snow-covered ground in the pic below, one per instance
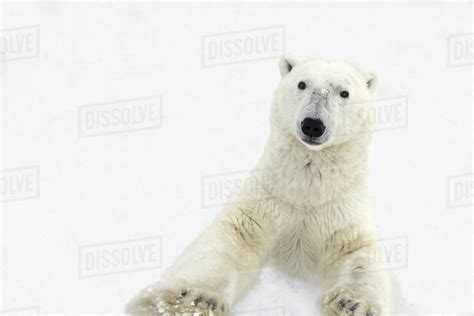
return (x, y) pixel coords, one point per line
(125, 127)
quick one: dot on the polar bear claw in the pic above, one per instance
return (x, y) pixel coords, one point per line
(184, 300)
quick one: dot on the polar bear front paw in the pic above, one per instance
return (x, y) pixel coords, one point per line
(342, 301)
(165, 301)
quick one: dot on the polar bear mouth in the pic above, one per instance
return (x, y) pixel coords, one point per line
(311, 141)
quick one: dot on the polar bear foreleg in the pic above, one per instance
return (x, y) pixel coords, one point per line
(357, 281)
(213, 271)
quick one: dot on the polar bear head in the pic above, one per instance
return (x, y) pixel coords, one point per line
(323, 103)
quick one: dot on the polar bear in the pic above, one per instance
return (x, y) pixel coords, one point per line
(306, 210)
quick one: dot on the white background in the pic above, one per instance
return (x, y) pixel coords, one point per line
(147, 183)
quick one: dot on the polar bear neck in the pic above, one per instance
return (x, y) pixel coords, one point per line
(306, 178)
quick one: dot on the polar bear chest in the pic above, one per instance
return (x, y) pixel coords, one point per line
(297, 248)
(302, 236)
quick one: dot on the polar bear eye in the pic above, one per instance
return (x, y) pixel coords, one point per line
(344, 94)
(301, 85)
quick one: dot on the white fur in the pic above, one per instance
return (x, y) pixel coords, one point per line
(305, 208)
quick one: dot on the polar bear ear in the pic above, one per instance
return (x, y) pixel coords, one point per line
(286, 64)
(371, 80)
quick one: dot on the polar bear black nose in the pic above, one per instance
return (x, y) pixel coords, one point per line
(312, 127)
